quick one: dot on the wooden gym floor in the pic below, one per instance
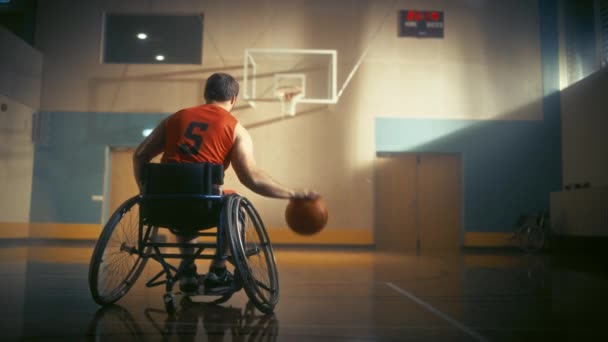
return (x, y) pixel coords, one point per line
(326, 295)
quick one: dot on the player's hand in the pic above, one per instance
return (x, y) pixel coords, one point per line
(305, 195)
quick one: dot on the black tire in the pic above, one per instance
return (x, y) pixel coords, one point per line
(116, 263)
(531, 237)
(252, 253)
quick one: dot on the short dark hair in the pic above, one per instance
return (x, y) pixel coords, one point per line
(221, 87)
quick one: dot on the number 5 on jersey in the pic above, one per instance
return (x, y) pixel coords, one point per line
(194, 138)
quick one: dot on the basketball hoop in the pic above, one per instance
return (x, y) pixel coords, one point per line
(289, 96)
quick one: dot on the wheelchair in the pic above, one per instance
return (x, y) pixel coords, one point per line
(184, 199)
(531, 230)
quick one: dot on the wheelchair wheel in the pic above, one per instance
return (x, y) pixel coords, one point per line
(116, 263)
(531, 237)
(252, 253)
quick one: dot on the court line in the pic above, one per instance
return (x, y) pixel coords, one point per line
(438, 313)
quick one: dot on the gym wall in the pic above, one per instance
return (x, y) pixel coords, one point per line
(20, 78)
(487, 79)
(512, 159)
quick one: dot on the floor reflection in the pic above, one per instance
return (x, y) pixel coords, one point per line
(326, 295)
(191, 322)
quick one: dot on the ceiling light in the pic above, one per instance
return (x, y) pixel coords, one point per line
(146, 132)
(142, 36)
(160, 57)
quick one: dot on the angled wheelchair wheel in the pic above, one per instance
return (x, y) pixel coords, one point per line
(531, 237)
(252, 253)
(116, 262)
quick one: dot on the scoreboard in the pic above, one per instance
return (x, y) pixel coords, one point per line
(420, 24)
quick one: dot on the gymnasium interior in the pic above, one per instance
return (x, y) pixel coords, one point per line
(459, 146)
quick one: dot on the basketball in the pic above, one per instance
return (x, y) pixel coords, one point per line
(306, 216)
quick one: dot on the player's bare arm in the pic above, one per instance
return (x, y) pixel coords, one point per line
(147, 150)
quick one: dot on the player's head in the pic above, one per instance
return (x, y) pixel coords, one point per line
(221, 87)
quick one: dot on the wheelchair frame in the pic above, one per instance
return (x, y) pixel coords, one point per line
(235, 212)
(145, 242)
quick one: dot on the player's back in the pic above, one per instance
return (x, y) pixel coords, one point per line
(199, 134)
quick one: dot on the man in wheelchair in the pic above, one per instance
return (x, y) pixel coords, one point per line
(209, 133)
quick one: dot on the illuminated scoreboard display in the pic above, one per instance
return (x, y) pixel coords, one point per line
(420, 24)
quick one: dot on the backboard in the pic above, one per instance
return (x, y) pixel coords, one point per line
(314, 71)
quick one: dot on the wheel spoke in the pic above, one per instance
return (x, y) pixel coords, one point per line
(264, 286)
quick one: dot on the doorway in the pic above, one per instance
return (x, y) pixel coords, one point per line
(120, 182)
(418, 202)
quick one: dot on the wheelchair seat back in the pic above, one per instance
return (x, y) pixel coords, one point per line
(182, 197)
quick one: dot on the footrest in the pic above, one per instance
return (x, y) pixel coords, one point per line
(215, 292)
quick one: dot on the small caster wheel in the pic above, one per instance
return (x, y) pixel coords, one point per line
(170, 305)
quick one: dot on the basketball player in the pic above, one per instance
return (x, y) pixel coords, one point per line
(209, 133)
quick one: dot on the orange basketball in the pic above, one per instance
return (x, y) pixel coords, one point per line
(306, 216)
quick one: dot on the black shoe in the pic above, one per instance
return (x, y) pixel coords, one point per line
(188, 280)
(218, 281)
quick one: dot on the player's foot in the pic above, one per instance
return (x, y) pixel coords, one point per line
(218, 280)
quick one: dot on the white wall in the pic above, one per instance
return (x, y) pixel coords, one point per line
(20, 79)
(20, 70)
(584, 122)
(485, 68)
(17, 161)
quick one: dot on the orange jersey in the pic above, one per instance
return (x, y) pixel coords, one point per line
(199, 134)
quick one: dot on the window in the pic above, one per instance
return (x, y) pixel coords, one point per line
(602, 28)
(153, 39)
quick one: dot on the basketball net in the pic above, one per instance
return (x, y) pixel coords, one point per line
(289, 96)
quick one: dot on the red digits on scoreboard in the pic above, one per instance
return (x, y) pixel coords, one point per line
(418, 16)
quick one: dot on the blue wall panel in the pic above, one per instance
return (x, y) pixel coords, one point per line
(69, 164)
